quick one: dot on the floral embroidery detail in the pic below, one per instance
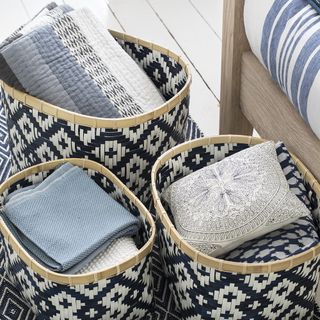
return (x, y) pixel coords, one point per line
(219, 207)
(222, 187)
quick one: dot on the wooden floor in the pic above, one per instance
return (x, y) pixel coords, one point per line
(191, 28)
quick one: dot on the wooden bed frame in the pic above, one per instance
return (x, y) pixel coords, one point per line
(251, 99)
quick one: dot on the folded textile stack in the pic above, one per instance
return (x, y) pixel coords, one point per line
(36, 20)
(243, 197)
(69, 224)
(118, 251)
(292, 239)
(67, 58)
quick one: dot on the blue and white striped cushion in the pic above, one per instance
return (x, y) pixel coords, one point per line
(285, 36)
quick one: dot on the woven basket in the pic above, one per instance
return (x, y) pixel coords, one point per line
(40, 132)
(210, 288)
(124, 291)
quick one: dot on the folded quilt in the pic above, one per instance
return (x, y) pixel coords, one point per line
(132, 78)
(67, 220)
(66, 58)
(44, 18)
(40, 63)
(36, 20)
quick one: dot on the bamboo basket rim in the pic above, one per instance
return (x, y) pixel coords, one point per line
(115, 123)
(216, 263)
(86, 278)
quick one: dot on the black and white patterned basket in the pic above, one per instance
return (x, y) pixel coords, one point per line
(124, 291)
(209, 288)
(40, 132)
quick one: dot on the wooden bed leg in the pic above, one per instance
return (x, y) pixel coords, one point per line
(234, 43)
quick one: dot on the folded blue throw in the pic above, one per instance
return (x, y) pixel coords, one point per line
(66, 220)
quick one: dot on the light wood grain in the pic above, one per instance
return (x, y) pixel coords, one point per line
(203, 105)
(113, 23)
(234, 43)
(273, 116)
(98, 7)
(201, 46)
(139, 20)
(211, 12)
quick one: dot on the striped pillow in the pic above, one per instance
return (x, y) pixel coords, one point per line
(285, 37)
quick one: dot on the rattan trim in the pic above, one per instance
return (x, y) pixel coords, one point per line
(89, 277)
(219, 264)
(114, 123)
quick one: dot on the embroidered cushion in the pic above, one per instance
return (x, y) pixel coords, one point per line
(240, 198)
(290, 240)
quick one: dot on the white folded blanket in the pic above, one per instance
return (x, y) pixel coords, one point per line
(66, 57)
(122, 66)
(119, 251)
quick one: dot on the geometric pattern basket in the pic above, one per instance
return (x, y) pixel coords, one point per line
(40, 132)
(204, 287)
(13, 306)
(4, 146)
(124, 291)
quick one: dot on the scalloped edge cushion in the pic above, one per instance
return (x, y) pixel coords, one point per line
(240, 198)
(290, 240)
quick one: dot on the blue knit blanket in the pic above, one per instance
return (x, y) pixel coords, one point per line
(51, 219)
